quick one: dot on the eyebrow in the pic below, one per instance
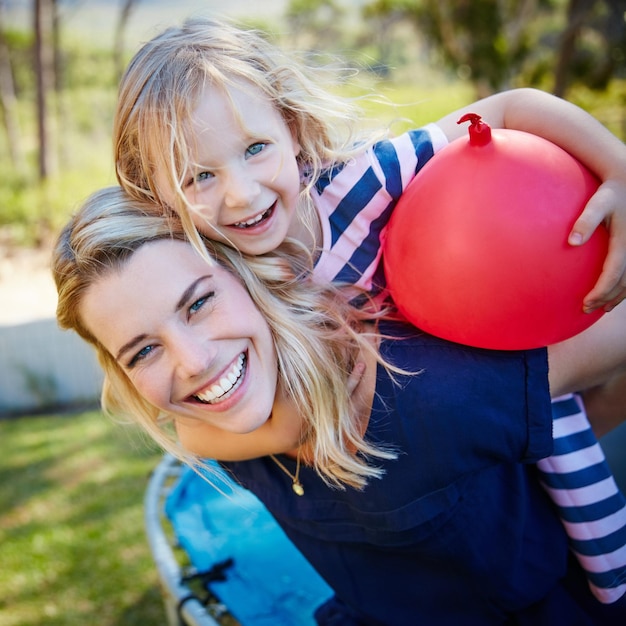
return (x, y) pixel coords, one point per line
(184, 298)
(189, 291)
(129, 345)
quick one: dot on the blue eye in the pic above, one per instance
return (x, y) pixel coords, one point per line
(200, 302)
(197, 305)
(202, 176)
(255, 148)
(198, 178)
(142, 354)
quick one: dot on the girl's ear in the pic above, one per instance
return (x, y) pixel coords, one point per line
(297, 148)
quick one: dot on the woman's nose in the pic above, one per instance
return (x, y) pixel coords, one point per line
(193, 356)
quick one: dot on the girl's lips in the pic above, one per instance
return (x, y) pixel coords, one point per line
(227, 384)
(256, 220)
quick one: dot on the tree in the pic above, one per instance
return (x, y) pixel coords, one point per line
(44, 76)
(8, 103)
(485, 41)
(488, 38)
(592, 47)
(317, 21)
(383, 16)
(493, 42)
(120, 29)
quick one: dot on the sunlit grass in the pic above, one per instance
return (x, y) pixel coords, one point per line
(72, 543)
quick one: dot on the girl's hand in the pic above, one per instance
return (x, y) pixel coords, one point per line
(607, 205)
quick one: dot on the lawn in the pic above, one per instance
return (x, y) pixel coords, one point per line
(73, 550)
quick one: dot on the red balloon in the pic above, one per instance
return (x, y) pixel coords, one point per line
(476, 250)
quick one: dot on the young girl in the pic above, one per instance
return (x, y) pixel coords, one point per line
(217, 124)
(423, 509)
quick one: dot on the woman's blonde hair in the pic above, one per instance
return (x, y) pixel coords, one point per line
(317, 333)
(165, 79)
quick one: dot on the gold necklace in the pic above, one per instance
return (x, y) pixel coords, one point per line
(296, 485)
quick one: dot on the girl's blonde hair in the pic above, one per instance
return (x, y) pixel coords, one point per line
(162, 86)
(317, 333)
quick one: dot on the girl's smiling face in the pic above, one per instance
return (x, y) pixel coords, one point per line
(187, 335)
(245, 181)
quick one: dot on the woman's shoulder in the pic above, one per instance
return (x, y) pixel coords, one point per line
(414, 350)
(399, 335)
(504, 395)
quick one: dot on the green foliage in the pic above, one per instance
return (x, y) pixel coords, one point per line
(87, 67)
(82, 162)
(72, 542)
(601, 50)
(405, 106)
(495, 43)
(488, 38)
(20, 46)
(80, 138)
(317, 24)
(31, 214)
(82, 65)
(608, 106)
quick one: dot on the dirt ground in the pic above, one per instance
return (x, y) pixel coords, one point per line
(27, 291)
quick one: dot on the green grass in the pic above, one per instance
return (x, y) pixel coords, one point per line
(73, 550)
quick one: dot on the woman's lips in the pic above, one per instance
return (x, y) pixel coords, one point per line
(219, 391)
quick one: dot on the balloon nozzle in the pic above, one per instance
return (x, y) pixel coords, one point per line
(479, 131)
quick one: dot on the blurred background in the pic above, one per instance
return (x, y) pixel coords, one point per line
(71, 534)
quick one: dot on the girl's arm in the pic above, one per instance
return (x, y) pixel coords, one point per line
(281, 433)
(585, 138)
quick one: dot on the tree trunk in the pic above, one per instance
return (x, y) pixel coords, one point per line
(44, 75)
(8, 104)
(577, 12)
(118, 46)
(61, 111)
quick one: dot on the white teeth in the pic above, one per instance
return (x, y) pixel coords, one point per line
(252, 221)
(229, 381)
(216, 390)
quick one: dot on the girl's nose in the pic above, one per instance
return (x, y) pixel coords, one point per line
(240, 190)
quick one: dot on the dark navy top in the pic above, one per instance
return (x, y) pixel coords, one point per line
(458, 531)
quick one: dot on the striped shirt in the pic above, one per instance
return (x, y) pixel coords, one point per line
(355, 201)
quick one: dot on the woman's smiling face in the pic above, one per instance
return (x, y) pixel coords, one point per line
(187, 335)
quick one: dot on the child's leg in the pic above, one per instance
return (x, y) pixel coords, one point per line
(606, 404)
(592, 508)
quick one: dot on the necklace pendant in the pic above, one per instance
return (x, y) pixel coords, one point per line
(298, 489)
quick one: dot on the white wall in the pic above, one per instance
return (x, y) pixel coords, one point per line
(43, 367)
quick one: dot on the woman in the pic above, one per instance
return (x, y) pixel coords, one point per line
(424, 508)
